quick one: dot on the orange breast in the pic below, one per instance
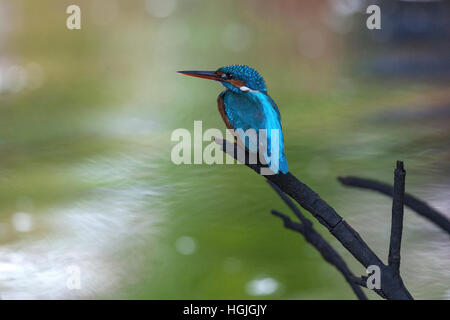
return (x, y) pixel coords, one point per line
(221, 107)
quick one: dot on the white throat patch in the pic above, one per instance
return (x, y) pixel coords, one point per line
(244, 88)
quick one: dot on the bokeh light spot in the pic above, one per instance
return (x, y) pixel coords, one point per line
(22, 221)
(261, 287)
(160, 8)
(185, 245)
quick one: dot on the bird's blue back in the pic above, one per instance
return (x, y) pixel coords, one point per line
(255, 110)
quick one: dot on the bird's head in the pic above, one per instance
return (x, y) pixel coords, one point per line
(237, 78)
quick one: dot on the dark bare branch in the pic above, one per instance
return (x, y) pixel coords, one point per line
(397, 218)
(317, 241)
(417, 205)
(362, 281)
(324, 248)
(391, 285)
(291, 205)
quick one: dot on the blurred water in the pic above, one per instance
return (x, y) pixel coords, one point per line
(87, 183)
(99, 233)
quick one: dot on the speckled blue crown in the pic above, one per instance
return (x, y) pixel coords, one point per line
(249, 75)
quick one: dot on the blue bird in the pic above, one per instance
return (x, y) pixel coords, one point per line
(245, 104)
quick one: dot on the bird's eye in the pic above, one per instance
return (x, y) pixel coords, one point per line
(226, 76)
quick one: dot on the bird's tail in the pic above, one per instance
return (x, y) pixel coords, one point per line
(281, 166)
(284, 167)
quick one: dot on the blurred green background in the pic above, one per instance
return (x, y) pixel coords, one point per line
(85, 123)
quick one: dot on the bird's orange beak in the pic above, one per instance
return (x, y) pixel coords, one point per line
(212, 75)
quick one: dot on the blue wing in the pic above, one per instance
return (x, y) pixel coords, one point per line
(254, 110)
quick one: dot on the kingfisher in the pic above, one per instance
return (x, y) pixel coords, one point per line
(245, 104)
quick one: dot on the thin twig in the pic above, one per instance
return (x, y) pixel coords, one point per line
(317, 241)
(397, 218)
(415, 204)
(327, 252)
(392, 286)
(362, 281)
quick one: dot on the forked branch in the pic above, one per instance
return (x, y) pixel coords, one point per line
(315, 239)
(415, 204)
(392, 286)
